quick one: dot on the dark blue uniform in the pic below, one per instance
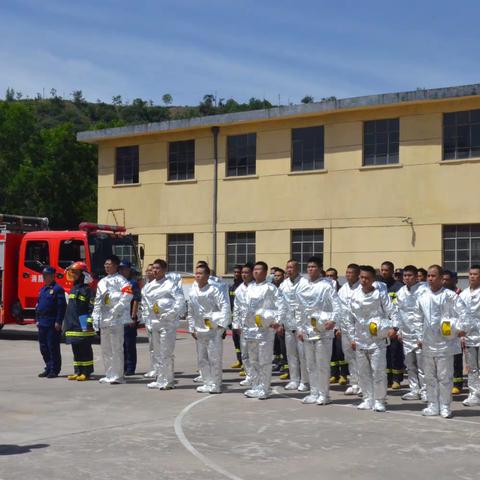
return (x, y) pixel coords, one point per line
(395, 355)
(130, 335)
(338, 364)
(78, 328)
(50, 311)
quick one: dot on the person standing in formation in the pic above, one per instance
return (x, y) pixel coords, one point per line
(317, 312)
(208, 317)
(371, 322)
(441, 317)
(130, 329)
(295, 349)
(163, 303)
(280, 359)
(449, 281)
(111, 312)
(345, 294)
(265, 307)
(471, 305)
(237, 281)
(395, 357)
(239, 311)
(49, 314)
(422, 275)
(149, 276)
(78, 322)
(409, 329)
(338, 365)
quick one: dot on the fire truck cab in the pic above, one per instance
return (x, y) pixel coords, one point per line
(26, 248)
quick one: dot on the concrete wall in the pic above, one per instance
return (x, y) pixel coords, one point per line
(360, 208)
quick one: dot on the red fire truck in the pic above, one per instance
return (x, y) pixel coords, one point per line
(27, 246)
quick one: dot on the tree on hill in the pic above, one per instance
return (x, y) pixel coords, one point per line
(50, 173)
(167, 99)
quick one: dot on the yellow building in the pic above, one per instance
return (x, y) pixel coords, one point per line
(363, 180)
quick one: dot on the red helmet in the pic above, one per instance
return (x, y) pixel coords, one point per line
(82, 266)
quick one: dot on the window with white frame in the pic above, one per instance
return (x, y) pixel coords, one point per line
(461, 135)
(307, 148)
(181, 160)
(306, 244)
(180, 252)
(241, 155)
(381, 142)
(240, 249)
(461, 246)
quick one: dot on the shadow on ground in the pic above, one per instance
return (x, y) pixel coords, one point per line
(19, 449)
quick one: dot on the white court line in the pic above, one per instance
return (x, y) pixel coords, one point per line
(184, 441)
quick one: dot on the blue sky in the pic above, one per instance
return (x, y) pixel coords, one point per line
(239, 49)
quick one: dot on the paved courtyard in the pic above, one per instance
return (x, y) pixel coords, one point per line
(56, 429)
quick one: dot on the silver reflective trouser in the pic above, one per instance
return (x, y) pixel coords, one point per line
(150, 348)
(297, 366)
(351, 359)
(372, 373)
(318, 354)
(244, 353)
(163, 340)
(111, 340)
(472, 361)
(260, 353)
(438, 373)
(414, 364)
(210, 357)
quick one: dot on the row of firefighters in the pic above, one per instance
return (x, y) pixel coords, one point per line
(377, 325)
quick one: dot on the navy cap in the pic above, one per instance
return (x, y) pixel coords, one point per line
(125, 264)
(48, 270)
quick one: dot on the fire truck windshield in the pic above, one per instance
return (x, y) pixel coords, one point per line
(102, 245)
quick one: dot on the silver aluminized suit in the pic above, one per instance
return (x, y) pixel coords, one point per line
(238, 320)
(345, 294)
(177, 278)
(317, 304)
(409, 329)
(297, 365)
(371, 316)
(434, 310)
(471, 313)
(208, 317)
(381, 286)
(221, 285)
(174, 277)
(163, 303)
(151, 373)
(265, 307)
(111, 312)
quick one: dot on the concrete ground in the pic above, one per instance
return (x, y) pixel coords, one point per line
(56, 429)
